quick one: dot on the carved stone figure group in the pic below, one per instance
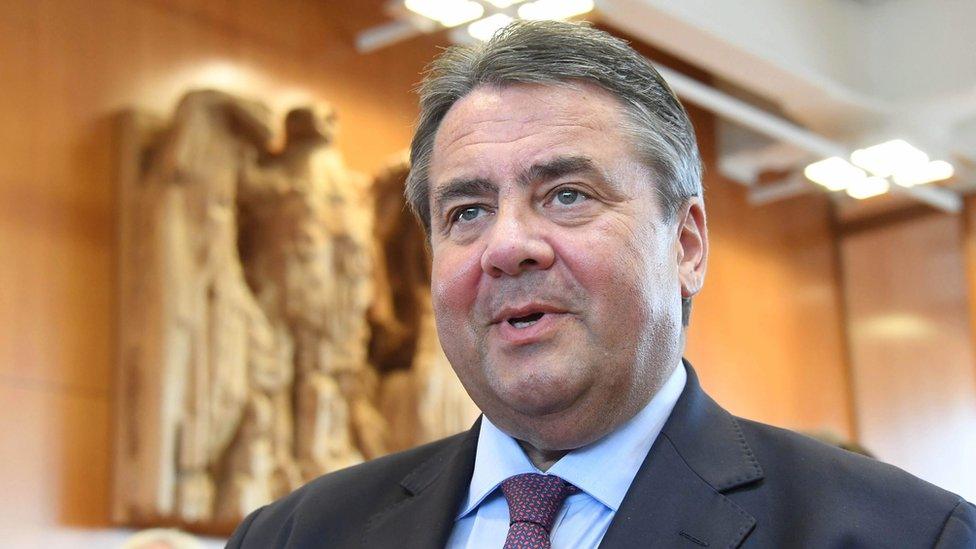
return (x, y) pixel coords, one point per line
(275, 318)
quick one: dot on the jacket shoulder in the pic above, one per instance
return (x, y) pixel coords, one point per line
(336, 506)
(819, 490)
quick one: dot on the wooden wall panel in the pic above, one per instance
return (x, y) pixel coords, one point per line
(766, 331)
(912, 354)
(68, 68)
(53, 452)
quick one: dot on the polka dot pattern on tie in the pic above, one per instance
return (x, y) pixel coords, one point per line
(534, 501)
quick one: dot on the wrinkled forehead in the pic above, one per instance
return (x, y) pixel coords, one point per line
(572, 101)
(568, 115)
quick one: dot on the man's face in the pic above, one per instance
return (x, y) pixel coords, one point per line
(556, 281)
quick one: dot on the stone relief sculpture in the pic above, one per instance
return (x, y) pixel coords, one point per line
(274, 314)
(191, 329)
(306, 252)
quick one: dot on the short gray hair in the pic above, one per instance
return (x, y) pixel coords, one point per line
(551, 52)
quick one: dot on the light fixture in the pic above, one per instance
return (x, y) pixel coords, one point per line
(835, 173)
(502, 4)
(867, 187)
(554, 9)
(937, 170)
(890, 157)
(449, 13)
(484, 29)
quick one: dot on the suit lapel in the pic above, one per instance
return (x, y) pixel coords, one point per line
(425, 518)
(677, 498)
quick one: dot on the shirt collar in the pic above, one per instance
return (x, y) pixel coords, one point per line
(604, 469)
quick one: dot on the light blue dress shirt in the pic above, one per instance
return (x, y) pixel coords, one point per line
(603, 471)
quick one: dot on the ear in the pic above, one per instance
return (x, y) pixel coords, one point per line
(691, 246)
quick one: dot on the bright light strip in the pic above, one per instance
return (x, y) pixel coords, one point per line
(868, 187)
(554, 9)
(484, 29)
(502, 4)
(937, 170)
(449, 13)
(889, 158)
(835, 173)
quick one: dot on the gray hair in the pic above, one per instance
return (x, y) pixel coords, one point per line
(557, 53)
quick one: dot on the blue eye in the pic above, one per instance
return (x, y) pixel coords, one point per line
(568, 197)
(468, 213)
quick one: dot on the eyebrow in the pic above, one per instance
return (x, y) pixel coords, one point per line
(462, 188)
(545, 171)
(559, 167)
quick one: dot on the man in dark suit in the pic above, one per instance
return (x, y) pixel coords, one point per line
(559, 182)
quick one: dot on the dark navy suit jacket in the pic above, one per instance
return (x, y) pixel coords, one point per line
(709, 480)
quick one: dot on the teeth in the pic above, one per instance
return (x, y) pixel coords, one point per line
(525, 321)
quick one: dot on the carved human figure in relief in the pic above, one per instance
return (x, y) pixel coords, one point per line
(252, 274)
(309, 266)
(206, 335)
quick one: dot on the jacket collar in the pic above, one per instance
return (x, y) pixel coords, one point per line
(680, 489)
(435, 489)
(710, 439)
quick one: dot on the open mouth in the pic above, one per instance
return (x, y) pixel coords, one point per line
(525, 321)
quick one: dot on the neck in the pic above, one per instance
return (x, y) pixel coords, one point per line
(542, 459)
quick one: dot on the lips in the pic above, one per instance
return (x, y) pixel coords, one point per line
(528, 324)
(525, 315)
(525, 321)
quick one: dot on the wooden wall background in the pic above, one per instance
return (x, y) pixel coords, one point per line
(912, 356)
(67, 68)
(767, 332)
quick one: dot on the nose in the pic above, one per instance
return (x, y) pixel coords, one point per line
(515, 246)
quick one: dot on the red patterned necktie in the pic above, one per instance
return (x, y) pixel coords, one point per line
(534, 501)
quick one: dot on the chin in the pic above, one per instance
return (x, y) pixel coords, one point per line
(537, 403)
(538, 391)
(554, 432)
(546, 419)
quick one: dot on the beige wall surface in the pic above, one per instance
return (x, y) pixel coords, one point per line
(766, 335)
(912, 354)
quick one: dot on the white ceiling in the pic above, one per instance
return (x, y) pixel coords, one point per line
(855, 71)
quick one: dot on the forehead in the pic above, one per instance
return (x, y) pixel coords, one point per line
(514, 125)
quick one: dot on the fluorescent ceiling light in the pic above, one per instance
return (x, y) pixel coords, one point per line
(937, 170)
(835, 173)
(484, 29)
(449, 13)
(889, 158)
(502, 4)
(868, 187)
(554, 9)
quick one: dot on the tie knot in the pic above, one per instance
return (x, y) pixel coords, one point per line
(536, 498)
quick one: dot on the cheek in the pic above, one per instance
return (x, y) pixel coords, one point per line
(455, 276)
(656, 278)
(629, 276)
